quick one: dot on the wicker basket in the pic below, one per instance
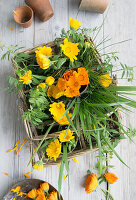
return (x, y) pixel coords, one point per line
(34, 138)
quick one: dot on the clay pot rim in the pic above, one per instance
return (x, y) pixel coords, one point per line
(23, 23)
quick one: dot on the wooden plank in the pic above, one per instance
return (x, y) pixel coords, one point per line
(78, 172)
(11, 125)
(120, 24)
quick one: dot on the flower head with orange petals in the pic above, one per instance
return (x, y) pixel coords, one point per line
(91, 183)
(110, 177)
(53, 195)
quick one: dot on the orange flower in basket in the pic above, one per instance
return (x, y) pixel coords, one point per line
(91, 183)
(70, 92)
(53, 195)
(74, 82)
(32, 194)
(44, 187)
(68, 74)
(110, 177)
(83, 76)
(61, 84)
(54, 91)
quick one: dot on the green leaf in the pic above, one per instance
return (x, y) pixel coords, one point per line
(61, 62)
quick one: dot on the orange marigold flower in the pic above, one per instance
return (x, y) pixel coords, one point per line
(91, 183)
(74, 82)
(61, 84)
(40, 191)
(32, 194)
(41, 197)
(71, 92)
(44, 186)
(53, 195)
(68, 74)
(110, 177)
(46, 51)
(54, 149)
(83, 76)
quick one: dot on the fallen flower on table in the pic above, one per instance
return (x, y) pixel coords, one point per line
(27, 174)
(11, 28)
(5, 173)
(110, 177)
(91, 183)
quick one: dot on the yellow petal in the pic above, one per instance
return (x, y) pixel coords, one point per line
(75, 160)
(58, 165)
(15, 13)
(64, 177)
(5, 173)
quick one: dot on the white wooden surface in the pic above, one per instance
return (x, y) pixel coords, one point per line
(120, 24)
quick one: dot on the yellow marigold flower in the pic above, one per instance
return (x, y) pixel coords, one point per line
(110, 177)
(54, 91)
(46, 51)
(41, 85)
(70, 49)
(38, 165)
(44, 187)
(91, 183)
(105, 80)
(54, 149)
(50, 80)
(57, 110)
(42, 61)
(74, 23)
(16, 190)
(32, 194)
(53, 195)
(63, 137)
(26, 79)
(64, 120)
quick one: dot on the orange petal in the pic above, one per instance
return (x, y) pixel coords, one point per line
(17, 142)
(17, 152)
(25, 140)
(11, 28)
(5, 173)
(26, 175)
(9, 150)
(12, 149)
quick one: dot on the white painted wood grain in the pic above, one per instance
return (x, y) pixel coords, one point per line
(120, 24)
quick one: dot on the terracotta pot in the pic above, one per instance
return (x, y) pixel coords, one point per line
(98, 6)
(42, 8)
(23, 15)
